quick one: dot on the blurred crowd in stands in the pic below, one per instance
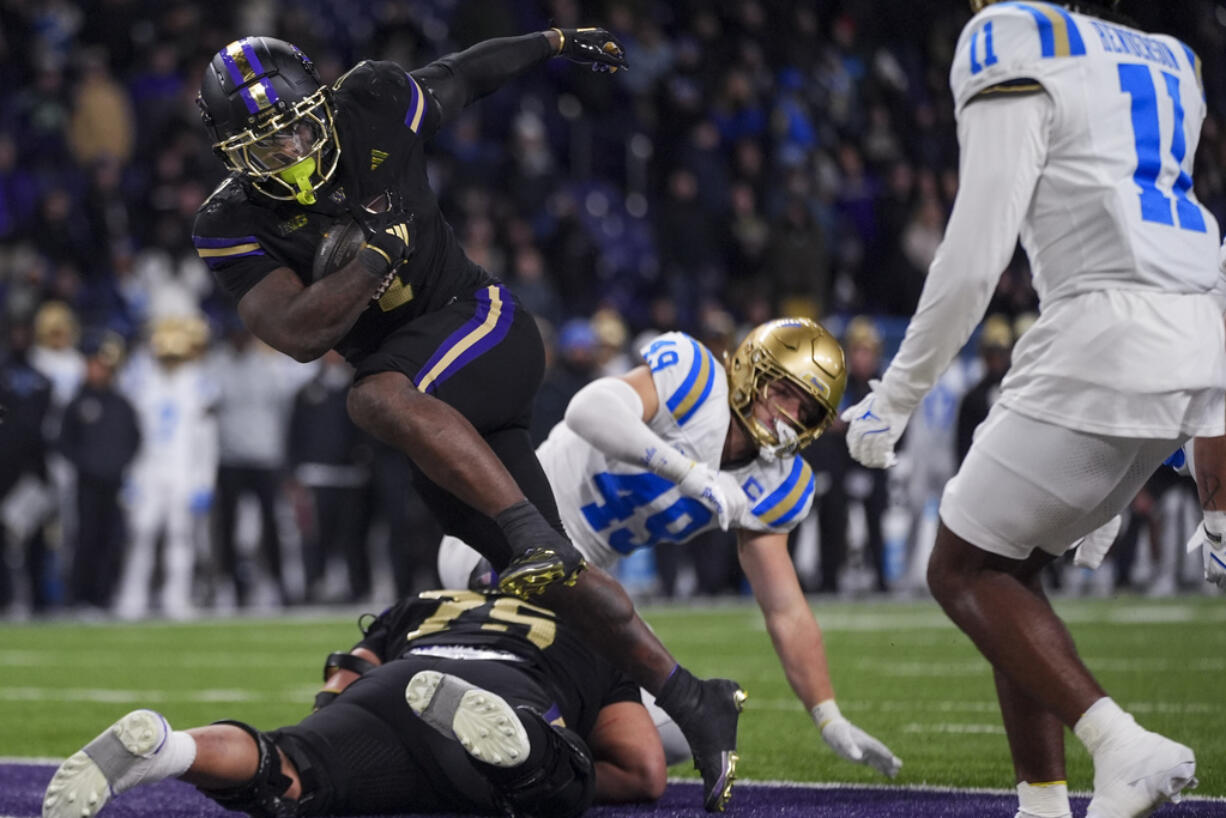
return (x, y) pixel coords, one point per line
(760, 158)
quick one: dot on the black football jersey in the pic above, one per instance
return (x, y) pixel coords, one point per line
(580, 680)
(382, 118)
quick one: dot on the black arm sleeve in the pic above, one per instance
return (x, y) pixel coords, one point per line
(460, 79)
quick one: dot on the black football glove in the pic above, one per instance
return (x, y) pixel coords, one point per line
(592, 46)
(389, 237)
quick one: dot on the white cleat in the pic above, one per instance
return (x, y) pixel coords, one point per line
(87, 780)
(484, 724)
(1137, 777)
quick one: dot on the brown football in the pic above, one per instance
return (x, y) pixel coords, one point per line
(342, 241)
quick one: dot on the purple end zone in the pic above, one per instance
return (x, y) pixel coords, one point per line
(22, 785)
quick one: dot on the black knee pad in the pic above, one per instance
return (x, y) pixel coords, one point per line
(563, 784)
(264, 795)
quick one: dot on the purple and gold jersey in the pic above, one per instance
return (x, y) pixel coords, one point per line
(383, 117)
(580, 681)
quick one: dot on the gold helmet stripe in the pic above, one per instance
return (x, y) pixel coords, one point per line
(235, 52)
(788, 500)
(696, 386)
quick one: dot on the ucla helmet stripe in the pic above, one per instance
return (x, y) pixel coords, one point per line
(697, 385)
(785, 502)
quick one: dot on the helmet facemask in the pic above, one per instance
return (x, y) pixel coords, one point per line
(289, 155)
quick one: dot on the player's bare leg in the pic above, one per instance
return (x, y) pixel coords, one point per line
(1020, 634)
(439, 439)
(1017, 631)
(1035, 734)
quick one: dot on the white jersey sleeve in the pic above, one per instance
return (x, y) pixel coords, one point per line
(780, 494)
(689, 382)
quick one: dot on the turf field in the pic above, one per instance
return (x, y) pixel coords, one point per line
(901, 670)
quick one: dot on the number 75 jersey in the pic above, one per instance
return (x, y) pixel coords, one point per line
(611, 508)
(1114, 207)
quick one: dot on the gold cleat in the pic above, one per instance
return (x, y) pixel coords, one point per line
(720, 801)
(534, 571)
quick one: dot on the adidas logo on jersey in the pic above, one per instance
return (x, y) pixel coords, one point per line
(376, 158)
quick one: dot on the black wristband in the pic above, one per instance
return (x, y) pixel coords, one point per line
(339, 660)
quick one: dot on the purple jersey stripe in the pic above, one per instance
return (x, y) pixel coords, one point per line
(473, 339)
(205, 241)
(217, 261)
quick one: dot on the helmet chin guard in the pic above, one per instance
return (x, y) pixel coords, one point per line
(271, 118)
(801, 353)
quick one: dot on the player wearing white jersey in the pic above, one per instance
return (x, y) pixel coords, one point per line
(1078, 133)
(680, 446)
(171, 481)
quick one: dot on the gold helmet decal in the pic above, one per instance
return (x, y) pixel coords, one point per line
(800, 352)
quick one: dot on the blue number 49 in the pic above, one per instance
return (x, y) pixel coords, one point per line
(1137, 81)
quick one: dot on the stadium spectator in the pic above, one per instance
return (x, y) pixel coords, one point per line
(865, 490)
(27, 496)
(448, 363)
(99, 436)
(452, 712)
(1126, 358)
(330, 460)
(170, 487)
(680, 446)
(572, 369)
(995, 350)
(255, 392)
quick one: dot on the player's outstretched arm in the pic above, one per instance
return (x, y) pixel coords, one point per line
(629, 757)
(457, 80)
(798, 642)
(612, 415)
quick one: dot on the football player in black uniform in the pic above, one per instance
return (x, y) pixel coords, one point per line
(452, 701)
(447, 361)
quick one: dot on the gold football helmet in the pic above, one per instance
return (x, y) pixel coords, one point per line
(799, 352)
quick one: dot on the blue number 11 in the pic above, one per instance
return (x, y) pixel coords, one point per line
(1137, 82)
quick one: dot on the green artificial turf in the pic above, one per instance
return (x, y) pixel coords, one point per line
(901, 670)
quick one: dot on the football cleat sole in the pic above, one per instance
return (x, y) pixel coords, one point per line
(79, 788)
(484, 724)
(534, 576)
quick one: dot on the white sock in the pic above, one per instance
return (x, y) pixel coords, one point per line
(1102, 723)
(171, 760)
(1045, 800)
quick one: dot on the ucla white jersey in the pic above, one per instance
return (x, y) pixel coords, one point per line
(611, 508)
(1114, 207)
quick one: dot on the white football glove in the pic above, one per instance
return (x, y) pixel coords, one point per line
(1093, 547)
(873, 428)
(1213, 550)
(851, 743)
(717, 491)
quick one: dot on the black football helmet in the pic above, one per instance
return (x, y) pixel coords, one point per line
(270, 117)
